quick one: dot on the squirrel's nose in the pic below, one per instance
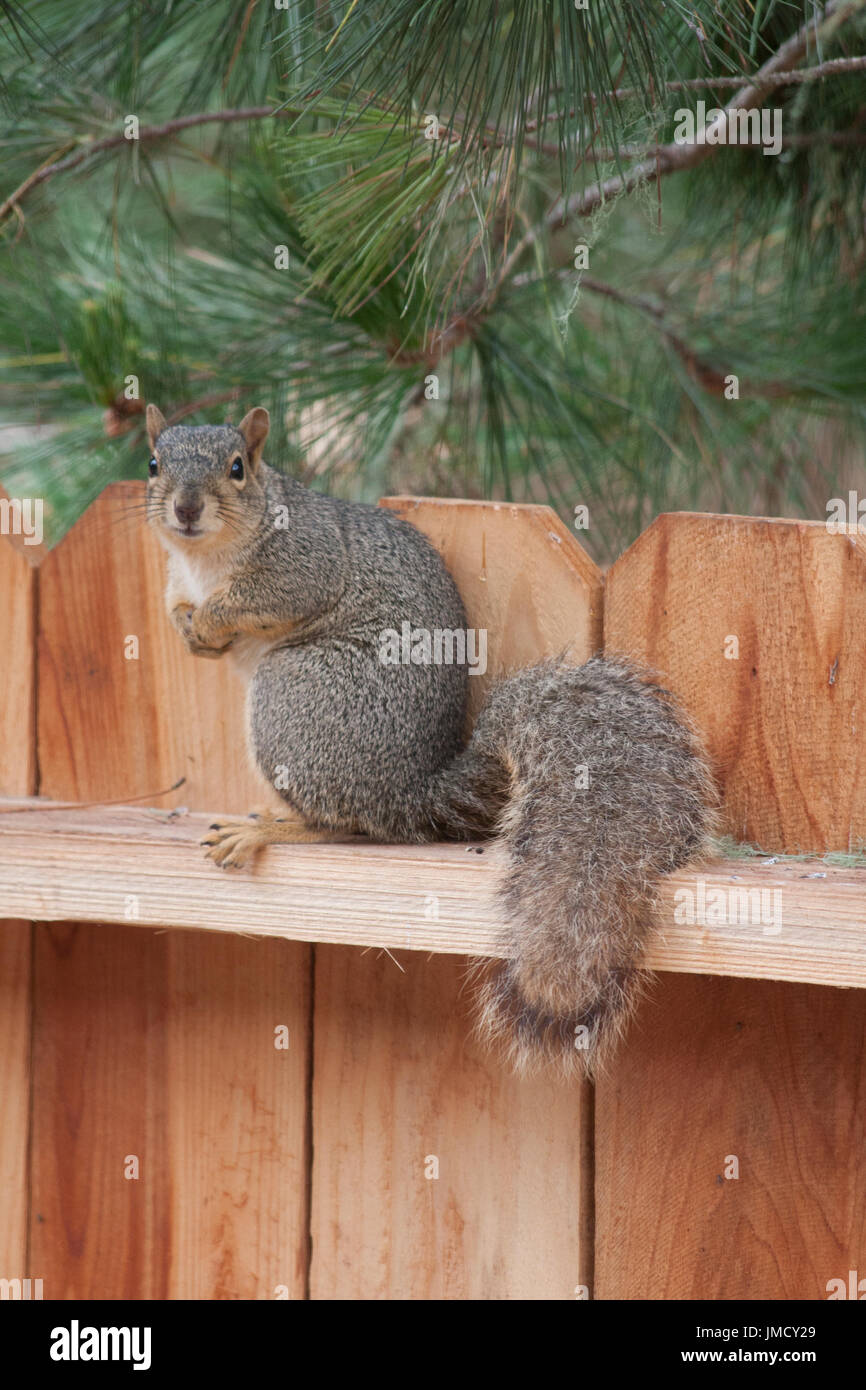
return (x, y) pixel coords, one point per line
(188, 513)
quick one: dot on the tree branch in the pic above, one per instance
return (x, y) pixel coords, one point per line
(802, 140)
(669, 159)
(767, 80)
(706, 374)
(153, 132)
(833, 67)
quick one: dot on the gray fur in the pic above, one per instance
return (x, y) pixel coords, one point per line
(360, 739)
(584, 860)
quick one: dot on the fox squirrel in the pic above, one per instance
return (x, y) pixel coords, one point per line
(299, 587)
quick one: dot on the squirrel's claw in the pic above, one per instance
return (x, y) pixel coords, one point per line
(231, 844)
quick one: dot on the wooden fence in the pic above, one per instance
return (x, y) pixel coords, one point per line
(199, 1102)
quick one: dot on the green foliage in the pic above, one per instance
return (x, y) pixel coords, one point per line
(728, 848)
(156, 259)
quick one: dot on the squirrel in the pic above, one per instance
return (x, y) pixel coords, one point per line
(592, 777)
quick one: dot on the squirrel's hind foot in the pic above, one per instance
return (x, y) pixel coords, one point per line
(231, 844)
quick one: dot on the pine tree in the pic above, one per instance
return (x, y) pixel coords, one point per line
(463, 247)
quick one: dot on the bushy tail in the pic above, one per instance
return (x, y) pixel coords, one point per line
(600, 787)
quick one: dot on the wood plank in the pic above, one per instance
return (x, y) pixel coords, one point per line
(18, 581)
(18, 585)
(773, 1075)
(504, 1217)
(758, 625)
(156, 1044)
(785, 718)
(785, 920)
(186, 1080)
(522, 576)
(15, 943)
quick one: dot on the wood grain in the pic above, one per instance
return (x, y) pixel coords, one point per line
(161, 1049)
(800, 920)
(156, 1044)
(18, 585)
(773, 1075)
(785, 720)
(402, 1093)
(522, 576)
(14, 1099)
(769, 1073)
(160, 1043)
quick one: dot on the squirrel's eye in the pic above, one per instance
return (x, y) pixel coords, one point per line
(237, 470)
(153, 468)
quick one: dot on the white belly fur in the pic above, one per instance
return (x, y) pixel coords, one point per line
(195, 579)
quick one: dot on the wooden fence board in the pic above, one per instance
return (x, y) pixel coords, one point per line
(785, 714)
(400, 1087)
(14, 1098)
(18, 580)
(521, 575)
(772, 1075)
(768, 1073)
(161, 1041)
(394, 1073)
(161, 1049)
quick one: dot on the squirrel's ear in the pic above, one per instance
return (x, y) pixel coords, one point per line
(155, 424)
(254, 428)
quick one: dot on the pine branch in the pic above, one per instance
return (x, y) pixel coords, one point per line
(802, 140)
(154, 132)
(705, 373)
(668, 159)
(661, 160)
(710, 377)
(833, 67)
(807, 140)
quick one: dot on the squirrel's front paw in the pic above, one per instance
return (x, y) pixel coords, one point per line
(184, 618)
(181, 616)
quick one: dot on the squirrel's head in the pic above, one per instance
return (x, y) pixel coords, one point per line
(204, 482)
